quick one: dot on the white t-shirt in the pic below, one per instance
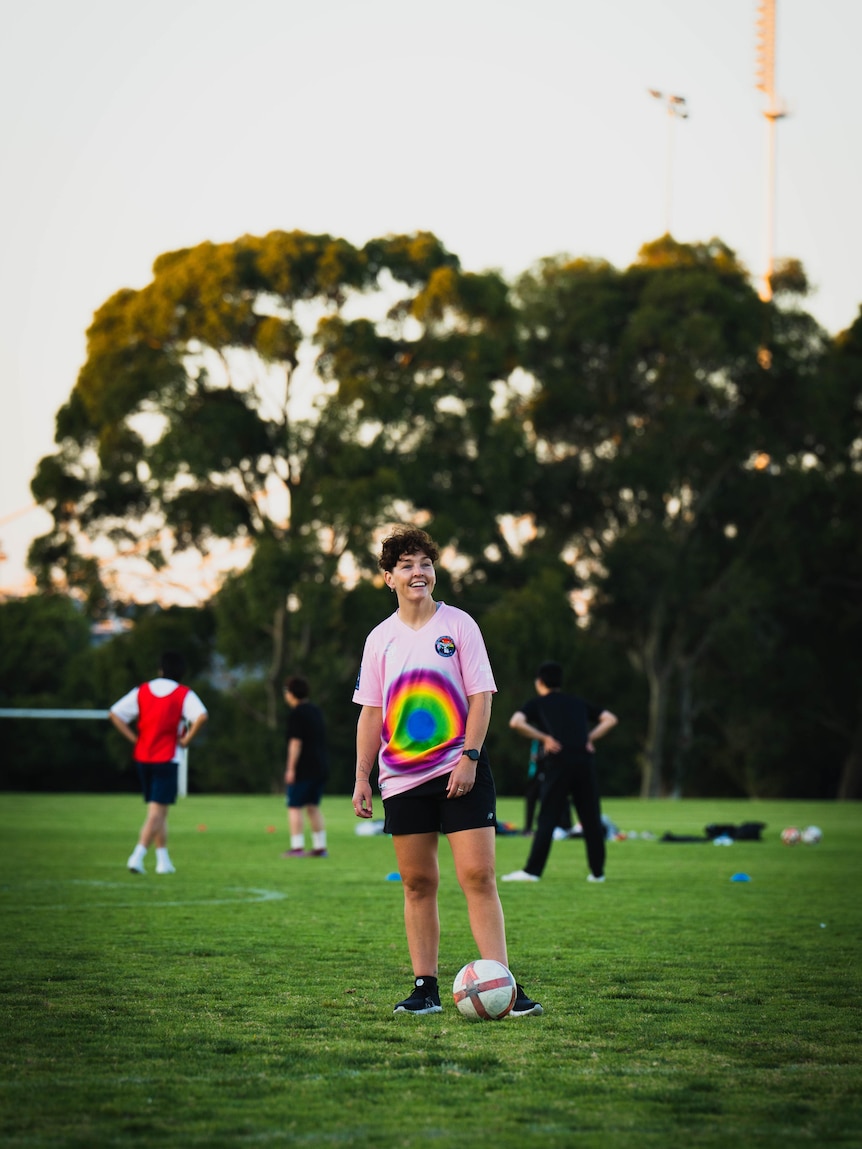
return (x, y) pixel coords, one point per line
(127, 707)
(422, 679)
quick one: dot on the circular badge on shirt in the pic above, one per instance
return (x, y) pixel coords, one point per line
(445, 646)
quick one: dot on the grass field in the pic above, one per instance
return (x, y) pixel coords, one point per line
(247, 1000)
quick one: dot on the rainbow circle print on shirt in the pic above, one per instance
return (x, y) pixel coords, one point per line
(425, 717)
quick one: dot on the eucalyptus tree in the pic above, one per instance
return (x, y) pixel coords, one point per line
(669, 398)
(429, 401)
(780, 686)
(823, 613)
(287, 392)
(844, 371)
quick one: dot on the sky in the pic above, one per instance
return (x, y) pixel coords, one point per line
(512, 129)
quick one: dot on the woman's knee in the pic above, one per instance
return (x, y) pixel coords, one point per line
(420, 885)
(478, 878)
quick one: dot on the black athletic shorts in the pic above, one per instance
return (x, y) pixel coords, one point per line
(159, 781)
(426, 810)
(308, 792)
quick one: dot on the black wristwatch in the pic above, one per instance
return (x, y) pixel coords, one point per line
(473, 755)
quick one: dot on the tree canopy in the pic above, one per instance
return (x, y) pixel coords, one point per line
(622, 463)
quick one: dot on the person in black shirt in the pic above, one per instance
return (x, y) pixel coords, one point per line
(567, 727)
(306, 771)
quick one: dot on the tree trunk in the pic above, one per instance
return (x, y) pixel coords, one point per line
(276, 668)
(652, 763)
(657, 667)
(686, 725)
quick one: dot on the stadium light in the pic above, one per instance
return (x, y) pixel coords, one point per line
(677, 109)
(774, 111)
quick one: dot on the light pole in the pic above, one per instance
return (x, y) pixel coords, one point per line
(773, 112)
(676, 110)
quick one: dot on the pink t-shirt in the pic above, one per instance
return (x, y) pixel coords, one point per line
(422, 679)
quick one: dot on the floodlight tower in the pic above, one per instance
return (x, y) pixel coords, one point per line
(773, 112)
(676, 110)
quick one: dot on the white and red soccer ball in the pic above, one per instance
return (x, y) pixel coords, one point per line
(791, 836)
(484, 990)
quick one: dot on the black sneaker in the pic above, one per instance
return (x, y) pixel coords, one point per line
(525, 1006)
(425, 998)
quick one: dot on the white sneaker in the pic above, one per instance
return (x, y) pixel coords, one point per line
(165, 868)
(519, 876)
(135, 867)
(593, 878)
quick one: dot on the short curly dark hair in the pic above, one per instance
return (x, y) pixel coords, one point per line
(406, 541)
(298, 686)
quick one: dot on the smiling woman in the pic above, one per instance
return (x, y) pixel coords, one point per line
(425, 688)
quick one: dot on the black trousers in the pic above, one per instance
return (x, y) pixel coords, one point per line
(573, 778)
(532, 795)
(531, 799)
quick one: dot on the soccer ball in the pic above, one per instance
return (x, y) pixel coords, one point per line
(484, 990)
(811, 835)
(790, 836)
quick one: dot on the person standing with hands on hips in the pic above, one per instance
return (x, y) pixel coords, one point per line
(567, 727)
(168, 716)
(425, 687)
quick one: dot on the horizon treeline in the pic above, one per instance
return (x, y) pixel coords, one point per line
(651, 475)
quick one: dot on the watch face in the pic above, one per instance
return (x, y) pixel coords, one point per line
(473, 755)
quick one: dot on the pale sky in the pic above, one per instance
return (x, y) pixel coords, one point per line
(512, 129)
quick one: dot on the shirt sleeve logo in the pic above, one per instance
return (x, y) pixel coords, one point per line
(445, 646)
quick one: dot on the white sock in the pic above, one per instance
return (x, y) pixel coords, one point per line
(318, 839)
(138, 855)
(297, 841)
(162, 854)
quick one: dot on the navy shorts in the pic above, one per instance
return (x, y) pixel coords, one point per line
(426, 810)
(307, 793)
(159, 781)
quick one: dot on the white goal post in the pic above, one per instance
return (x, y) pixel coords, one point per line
(27, 712)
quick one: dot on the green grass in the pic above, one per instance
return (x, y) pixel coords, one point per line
(247, 1000)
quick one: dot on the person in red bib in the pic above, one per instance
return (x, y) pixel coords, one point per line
(168, 715)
